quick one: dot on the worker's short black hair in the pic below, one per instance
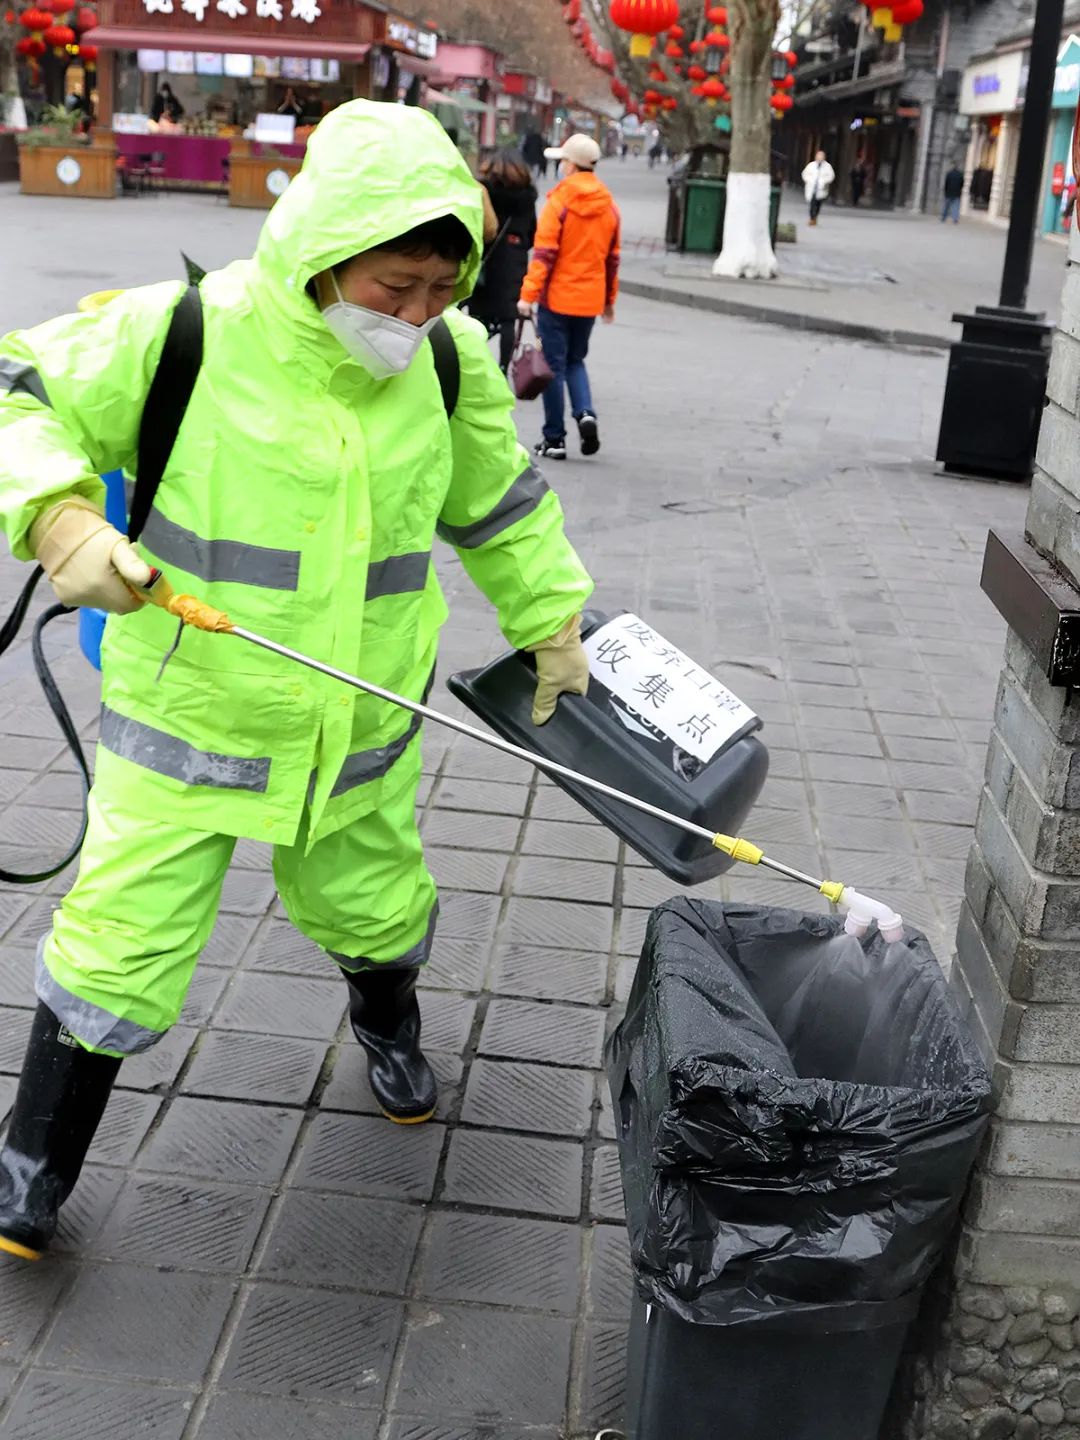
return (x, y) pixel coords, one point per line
(446, 237)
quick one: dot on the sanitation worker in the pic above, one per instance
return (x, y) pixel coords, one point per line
(314, 466)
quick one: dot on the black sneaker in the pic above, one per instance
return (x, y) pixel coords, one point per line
(590, 435)
(551, 449)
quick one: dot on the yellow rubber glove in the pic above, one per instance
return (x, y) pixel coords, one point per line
(562, 668)
(86, 559)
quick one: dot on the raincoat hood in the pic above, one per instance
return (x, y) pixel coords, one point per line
(372, 171)
(583, 194)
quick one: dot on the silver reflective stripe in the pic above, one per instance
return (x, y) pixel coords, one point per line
(232, 560)
(168, 755)
(368, 765)
(18, 375)
(398, 574)
(89, 1023)
(412, 959)
(520, 500)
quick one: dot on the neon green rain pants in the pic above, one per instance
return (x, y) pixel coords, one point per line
(126, 939)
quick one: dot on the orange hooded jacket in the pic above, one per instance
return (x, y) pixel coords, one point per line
(575, 264)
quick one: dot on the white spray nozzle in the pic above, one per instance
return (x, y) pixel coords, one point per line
(861, 911)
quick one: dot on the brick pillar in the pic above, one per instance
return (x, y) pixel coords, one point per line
(1006, 1366)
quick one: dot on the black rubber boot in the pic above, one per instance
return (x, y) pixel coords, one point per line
(63, 1091)
(385, 1017)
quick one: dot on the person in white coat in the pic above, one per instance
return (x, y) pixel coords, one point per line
(817, 179)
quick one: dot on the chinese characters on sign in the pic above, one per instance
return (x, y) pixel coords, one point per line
(659, 682)
(306, 10)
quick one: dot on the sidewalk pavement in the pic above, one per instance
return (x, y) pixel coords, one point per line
(886, 276)
(252, 1253)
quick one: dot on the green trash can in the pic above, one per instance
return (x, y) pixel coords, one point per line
(704, 203)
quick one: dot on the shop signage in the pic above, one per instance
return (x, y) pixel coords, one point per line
(400, 35)
(305, 10)
(993, 84)
(987, 84)
(1067, 75)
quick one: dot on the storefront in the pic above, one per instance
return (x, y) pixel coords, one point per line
(405, 62)
(467, 87)
(991, 95)
(525, 107)
(232, 65)
(1060, 182)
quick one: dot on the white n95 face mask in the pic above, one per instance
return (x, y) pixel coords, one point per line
(383, 345)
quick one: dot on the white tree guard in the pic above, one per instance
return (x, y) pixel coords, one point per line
(747, 252)
(13, 112)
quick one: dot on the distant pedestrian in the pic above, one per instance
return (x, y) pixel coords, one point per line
(656, 152)
(166, 104)
(858, 182)
(954, 189)
(506, 179)
(533, 150)
(574, 277)
(817, 180)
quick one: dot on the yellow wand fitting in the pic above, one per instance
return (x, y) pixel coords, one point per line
(832, 890)
(739, 849)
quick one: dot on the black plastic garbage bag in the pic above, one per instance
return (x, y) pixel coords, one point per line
(797, 1114)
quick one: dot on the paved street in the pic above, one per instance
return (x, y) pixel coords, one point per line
(252, 1253)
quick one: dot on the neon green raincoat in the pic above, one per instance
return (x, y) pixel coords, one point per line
(302, 497)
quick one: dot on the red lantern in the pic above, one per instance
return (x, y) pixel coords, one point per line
(716, 15)
(697, 72)
(9, 17)
(644, 19)
(88, 55)
(907, 12)
(673, 50)
(35, 19)
(718, 40)
(787, 83)
(698, 90)
(651, 97)
(58, 36)
(713, 91)
(676, 32)
(86, 19)
(696, 47)
(656, 74)
(620, 90)
(669, 103)
(781, 103)
(791, 58)
(572, 12)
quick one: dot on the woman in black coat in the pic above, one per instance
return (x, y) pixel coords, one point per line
(494, 301)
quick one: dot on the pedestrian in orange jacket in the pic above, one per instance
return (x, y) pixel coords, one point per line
(573, 278)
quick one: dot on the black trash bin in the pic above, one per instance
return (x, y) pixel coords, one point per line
(797, 1114)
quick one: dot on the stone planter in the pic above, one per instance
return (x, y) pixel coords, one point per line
(87, 172)
(9, 156)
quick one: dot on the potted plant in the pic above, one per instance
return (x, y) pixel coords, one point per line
(57, 158)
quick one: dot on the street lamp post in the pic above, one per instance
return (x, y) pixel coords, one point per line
(996, 384)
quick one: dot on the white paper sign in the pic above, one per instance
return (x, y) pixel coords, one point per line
(663, 685)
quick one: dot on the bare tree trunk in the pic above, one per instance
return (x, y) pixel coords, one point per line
(748, 252)
(12, 110)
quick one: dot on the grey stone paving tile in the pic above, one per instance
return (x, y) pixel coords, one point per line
(631, 935)
(350, 1092)
(186, 1224)
(128, 1116)
(14, 782)
(342, 1240)
(281, 949)
(466, 870)
(455, 965)
(239, 1066)
(946, 842)
(512, 1172)
(17, 978)
(8, 1086)
(645, 889)
(604, 1397)
(854, 832)
(256, 1417)
(835, 717)
(780, 827)
(8, 1375)
(485, 796)
(465, 915)
(558, 925)
(158, 1067)
(313, 1344)
(569, 841)
(605, 1112)
(404, 1428)
(611, 1280)
(102, 1326)
(537, 973)
(230, 938)
(947, 809)
(252, 855)
(51, 791)
(28, 1297)
(934, 752)
(499, 1260)
(874, 802)
(945, 779)
(283, 1005)
(554, 804)
(458, 827)
(786, 765)
(53, 1404)
(14, 905)
(87, 1209)
(203, 994)
(553, 1034)
(493, 1365)
(21, 752)
(223, 1140)
(33, 921)
(446, 1020)
(470, 761)
(550, 878)
(515, 1096)
(606, 1192)
(366, 1155)
(848, 769)
(841, 742)
(815, 672)
(785, 795)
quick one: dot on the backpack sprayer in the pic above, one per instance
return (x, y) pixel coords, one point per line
(860, 910)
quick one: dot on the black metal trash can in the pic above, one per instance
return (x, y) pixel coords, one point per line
(797, 1112)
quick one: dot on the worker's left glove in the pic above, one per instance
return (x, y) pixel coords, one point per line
(562, 668)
